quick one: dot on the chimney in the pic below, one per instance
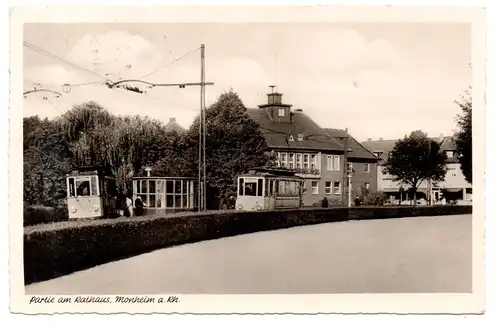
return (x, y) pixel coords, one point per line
(298, 110)
(171, 120)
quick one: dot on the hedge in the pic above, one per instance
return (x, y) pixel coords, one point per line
(53, 250)
(34, 215)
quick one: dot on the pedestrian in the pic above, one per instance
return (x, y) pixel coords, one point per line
(139, 205)
(324, 202)
(129, 210)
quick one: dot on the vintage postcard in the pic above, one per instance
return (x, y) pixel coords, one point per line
(247, 159)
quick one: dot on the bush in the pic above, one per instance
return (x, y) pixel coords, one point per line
(375, 199)
(52, 250)
(332, 203)
(34, 215)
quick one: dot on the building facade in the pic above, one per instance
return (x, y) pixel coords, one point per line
(362, 163)
(454, 186)
(301, 144)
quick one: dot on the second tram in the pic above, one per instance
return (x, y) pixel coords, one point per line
(269, 189)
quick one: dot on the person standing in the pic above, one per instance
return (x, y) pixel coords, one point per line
(139, 205)
(129, 211)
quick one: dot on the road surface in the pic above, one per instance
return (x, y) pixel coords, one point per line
(424, 255)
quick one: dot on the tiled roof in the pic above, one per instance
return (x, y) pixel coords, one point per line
(382, 145)
(278, 134)
(357, 149)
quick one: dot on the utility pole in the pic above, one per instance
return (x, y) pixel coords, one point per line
(202, 109)
(202, 167)
(344, 174)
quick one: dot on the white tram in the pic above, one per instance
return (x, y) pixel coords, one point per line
(89, 191)
(269, 189)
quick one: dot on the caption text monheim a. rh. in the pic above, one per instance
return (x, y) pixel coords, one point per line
(102, 299)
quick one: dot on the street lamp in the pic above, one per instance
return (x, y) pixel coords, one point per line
(148, 171)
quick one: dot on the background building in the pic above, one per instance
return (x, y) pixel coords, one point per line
(302, 145)
(362, 163)
(454, 186)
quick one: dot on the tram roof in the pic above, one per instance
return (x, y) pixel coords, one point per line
(271, 172)
(163, 177)
(90, 170)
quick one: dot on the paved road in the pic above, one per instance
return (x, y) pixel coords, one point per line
(427, 254)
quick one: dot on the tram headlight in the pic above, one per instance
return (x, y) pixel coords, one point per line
(259, 207)
(73, 209)
(240, 206)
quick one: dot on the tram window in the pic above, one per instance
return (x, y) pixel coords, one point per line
(266, 188)
(259, 186)
(71, 190)
(293, 188)
(144, 187)
(251, 189)
(178, 201)
(93, 185)
(241, 186)
(281, 189)
(82, 187)
(152, 187)
(178, 187)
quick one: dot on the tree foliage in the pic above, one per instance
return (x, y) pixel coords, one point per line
(463, 138)
(47, 158)
(414, 159)
(88, 135)
(234, 144)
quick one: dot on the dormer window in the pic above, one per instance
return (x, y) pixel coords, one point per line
(290, 138)
(449, 154)
(281, 112)
(300, 137)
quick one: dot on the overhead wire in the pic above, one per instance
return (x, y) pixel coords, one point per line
(65, 61)
(170, 63)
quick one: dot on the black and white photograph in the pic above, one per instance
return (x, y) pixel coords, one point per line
(256, 157)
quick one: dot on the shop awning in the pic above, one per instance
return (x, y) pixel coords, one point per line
(452, 190)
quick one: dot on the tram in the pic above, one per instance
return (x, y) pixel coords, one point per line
(89, 193)
(269, 189)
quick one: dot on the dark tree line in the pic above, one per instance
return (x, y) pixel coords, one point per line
(90, 135)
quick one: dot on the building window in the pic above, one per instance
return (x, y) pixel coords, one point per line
(314, 187)
(283, 161)
(329, 162)
(313, 161)
(367, 168)
(281, 112)
(306, 161)
(367, 185)
(299, 161)
(291, 161)
(349, 167)
(300, 137)
(449, 154)
(336, 163)
(328, 187)
(336, 187)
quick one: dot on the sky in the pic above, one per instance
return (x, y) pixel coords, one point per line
(377, 80)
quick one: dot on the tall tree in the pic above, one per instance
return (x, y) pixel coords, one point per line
(234, 144)
(47, 158)
(414, 159)
(463, 138)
